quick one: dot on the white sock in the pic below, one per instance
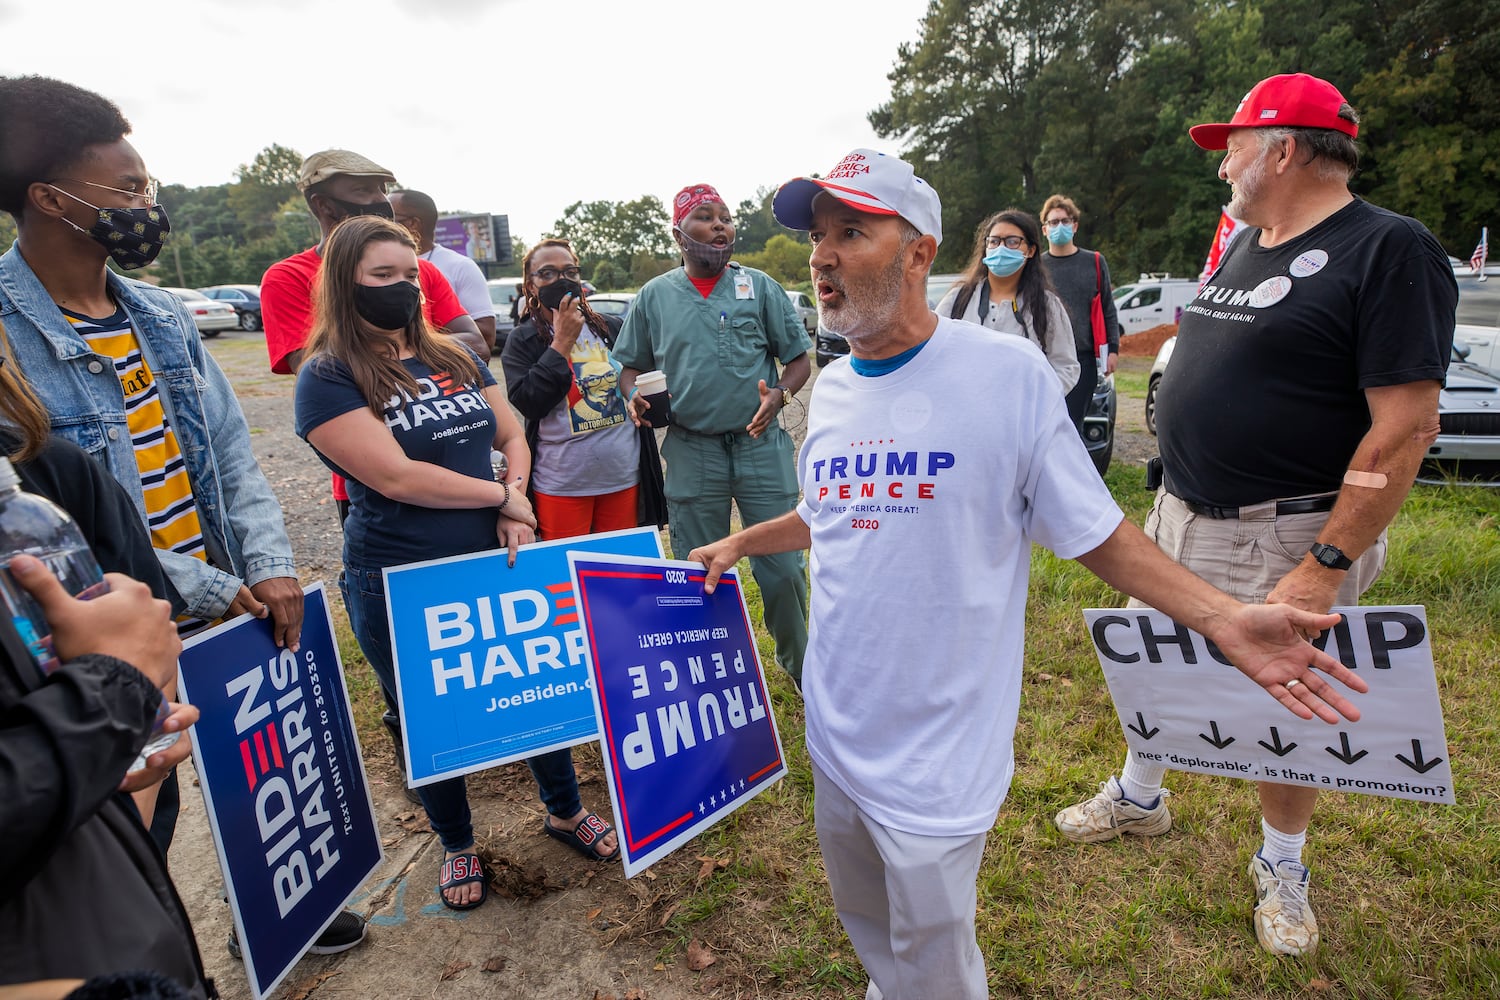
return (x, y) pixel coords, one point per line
(1281, 846)
(1140, 782)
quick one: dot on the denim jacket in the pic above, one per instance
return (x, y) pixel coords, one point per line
(243, 530)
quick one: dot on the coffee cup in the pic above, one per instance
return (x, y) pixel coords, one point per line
(653, 386)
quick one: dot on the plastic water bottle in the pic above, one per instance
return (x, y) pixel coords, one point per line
(35, 526)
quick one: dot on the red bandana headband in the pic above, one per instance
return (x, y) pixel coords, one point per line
(690, 198)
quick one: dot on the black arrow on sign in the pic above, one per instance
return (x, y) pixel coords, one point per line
(1419, 765)
(1142, 731)
(1345, 755)
(1215, 740)
(1278, 749)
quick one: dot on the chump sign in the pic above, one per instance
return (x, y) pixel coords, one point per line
(279, 765)
(686, 727)
(490, 658)
(1183, 706)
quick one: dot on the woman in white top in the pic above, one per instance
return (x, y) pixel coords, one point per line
(1005, 288)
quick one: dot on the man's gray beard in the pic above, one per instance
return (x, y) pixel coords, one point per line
(871, 311)
(1248, 188)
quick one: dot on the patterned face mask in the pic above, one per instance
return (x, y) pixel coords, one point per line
(714, 257)
(133, 236)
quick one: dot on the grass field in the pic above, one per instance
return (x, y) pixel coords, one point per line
(1407, 894)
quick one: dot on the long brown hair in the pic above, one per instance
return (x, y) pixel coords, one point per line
(20, 406)
(1033, 286)
(340, 332)
(534, 302)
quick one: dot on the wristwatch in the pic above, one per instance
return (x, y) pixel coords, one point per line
(786, 395)
(1331, 556)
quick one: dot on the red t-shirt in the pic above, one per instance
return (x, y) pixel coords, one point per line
(286, 303)
(286, 310)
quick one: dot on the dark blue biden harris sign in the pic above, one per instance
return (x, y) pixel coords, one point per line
(279, 765)
(687, 729)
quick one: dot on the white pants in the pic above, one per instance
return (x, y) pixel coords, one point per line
(906, 901)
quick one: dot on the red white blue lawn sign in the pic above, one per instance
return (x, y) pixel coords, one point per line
(283, 782)
(686, 726)
(1182, 706)
(490, 661)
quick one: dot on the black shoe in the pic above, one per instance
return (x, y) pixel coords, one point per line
(346, 931)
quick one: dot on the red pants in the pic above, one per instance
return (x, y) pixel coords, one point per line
(565, 517)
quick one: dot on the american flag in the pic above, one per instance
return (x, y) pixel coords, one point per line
(1481, 252)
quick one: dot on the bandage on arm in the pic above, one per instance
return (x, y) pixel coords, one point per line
(1369, 480)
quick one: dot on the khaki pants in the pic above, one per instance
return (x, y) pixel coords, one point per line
(1248, 556)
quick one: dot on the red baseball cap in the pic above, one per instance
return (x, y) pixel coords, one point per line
(1292, 100)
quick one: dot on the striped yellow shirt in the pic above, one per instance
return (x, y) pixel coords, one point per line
(171, 511)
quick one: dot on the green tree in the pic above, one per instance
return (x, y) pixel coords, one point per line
(615, 231)
(783, 258)
(262, 186)
(755, 224)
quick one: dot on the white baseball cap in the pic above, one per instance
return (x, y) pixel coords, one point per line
(870, 182)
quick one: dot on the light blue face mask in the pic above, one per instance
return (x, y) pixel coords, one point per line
(1003, 261)
(1060, 234)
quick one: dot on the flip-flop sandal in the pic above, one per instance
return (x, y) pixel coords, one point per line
(462, 869)
(584, 838)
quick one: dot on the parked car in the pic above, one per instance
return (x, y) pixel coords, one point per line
(1482, 344)
(1158, 367)
(1152, 301)
(244, 298)
(1099, 423)
(503, 292)
(612, 303)
(1468, 442)
(807, 312)
(211, 317)
(827, 346)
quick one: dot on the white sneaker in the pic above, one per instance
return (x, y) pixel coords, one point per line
(1110, 813)
(1284, 921)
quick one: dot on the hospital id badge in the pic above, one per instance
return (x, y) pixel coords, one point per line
(742, 287)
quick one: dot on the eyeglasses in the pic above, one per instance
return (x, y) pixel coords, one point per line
(1064, 221)
(1009, 242)
(148, 195)
(552, 274)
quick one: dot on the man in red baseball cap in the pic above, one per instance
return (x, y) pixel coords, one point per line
(1328, 313)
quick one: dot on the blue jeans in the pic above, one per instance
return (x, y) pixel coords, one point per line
(446, 802)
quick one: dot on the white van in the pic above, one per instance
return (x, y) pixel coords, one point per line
(1152, 301)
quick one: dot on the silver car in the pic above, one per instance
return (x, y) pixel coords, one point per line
(211, 317)
(802, 305)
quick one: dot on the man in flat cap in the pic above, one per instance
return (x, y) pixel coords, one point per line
(935, 456)
(1330, 314)
(338, 184)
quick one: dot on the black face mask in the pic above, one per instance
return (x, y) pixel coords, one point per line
(133, 236)
(552, 295)
(388, 307)
(353, 208)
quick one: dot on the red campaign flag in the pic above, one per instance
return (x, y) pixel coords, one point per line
(1227, 229)
(1481, 252)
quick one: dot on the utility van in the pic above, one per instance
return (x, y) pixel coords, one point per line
(1151, 301)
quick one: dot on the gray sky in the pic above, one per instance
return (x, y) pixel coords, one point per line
(503, 106)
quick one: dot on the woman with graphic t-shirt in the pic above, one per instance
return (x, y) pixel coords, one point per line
(592, 469)
(409, 418)
(1005, 288)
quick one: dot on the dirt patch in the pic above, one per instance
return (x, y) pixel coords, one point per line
(1146, 343)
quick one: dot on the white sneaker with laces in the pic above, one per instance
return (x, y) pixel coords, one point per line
(1110, 813)
(1284, 921)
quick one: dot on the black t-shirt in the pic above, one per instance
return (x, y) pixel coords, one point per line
(1264, 397)
(450, 424)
